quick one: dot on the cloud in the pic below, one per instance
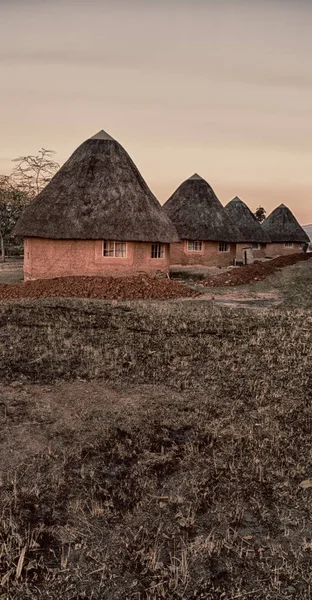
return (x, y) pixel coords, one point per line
(256, 76)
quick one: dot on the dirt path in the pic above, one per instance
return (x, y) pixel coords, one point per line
(245, 299)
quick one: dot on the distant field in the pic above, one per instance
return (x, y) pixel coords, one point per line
(157, 450)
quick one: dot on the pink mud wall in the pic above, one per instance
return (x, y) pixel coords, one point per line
(208, 257)
(273, 250)
(45, 258)
(261, 253)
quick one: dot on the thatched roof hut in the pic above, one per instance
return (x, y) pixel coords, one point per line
(198, 214)
(282, 226)
(246, 221)
(97, 194)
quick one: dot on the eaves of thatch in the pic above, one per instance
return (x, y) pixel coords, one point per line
(282, 226)
(198, 214)
(97, 194)
(245, 220)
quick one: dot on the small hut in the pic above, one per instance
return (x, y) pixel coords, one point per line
(97, 216)
(287, 236)
(208, 236)
(254, 238)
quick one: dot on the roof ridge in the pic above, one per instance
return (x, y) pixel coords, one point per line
(102, 135)
(195, 176)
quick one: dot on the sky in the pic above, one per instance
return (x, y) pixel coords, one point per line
(218, 87)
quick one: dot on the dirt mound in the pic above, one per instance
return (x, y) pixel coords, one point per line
(255, 272)
(110, 288)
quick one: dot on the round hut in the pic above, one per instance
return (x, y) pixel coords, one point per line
(97, 216)
(208, 236)
(254, 238)
(287, 236)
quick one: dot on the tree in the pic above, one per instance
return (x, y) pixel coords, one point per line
(28, 178)
(33, 173)
(260, 214)
(12, 202)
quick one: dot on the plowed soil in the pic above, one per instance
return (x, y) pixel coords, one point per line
(254, 272)
(110, 288)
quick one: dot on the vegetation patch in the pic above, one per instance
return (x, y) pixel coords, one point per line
(116, 486)
(146, 492)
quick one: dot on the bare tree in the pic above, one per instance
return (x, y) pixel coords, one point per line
(33, 173)
(30, 175)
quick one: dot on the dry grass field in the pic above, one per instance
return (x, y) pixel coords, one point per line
(157, 450)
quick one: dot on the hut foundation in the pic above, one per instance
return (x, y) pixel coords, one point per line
(209, 256)
(279, 249)
(47, 258)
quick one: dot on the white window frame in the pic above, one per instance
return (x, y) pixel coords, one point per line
(159, 249)
(113, 249)
(194, 245)
(255, 246)
(224, 247)
(288, 244)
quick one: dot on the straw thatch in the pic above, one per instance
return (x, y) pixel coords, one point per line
(97, 194)
(246, 221)
(198, 214)
(282, 226)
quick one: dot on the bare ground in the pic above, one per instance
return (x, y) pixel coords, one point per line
(145, 492)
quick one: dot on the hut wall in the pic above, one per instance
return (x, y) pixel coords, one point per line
(209, 256)
(257, 254)
(46, 258)
(279, 249)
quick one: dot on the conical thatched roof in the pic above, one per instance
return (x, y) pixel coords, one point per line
(282, 226)
(198, 214)
(97, 194)
(246, 221)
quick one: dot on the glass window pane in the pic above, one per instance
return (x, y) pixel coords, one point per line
(194, 245)
(108, 248)
(157, 251)
(114, 249)
(120, 249)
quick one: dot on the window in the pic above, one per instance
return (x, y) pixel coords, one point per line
(114, 249)
(288, 244)
(255, 246)
(223, 247)
(194, 245)
(157, 251)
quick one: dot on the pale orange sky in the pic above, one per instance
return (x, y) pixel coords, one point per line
(220, 87)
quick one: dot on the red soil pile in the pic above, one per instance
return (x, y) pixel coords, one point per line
(110, 288)
(255, 272)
